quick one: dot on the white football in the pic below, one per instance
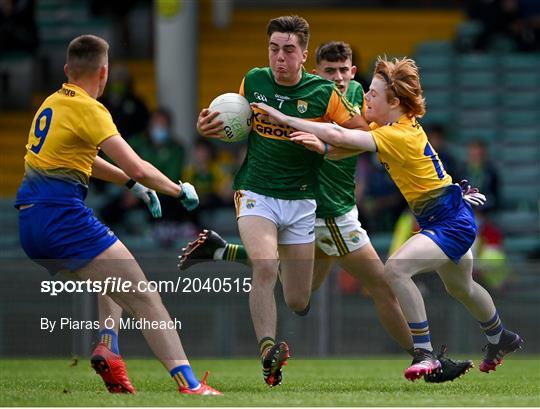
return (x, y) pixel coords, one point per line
(235, 112)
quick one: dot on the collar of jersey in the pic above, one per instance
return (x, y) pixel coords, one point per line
(403, 120)
(75, 88)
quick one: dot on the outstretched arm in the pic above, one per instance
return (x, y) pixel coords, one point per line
(136, 168)
(103, 170)
(147, 174)
(330, 133)
(311, 142)
(335, 153)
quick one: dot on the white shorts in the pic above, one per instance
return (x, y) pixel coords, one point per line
(338, 236)
(295, 219)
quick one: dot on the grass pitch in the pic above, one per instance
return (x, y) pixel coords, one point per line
(350, 382)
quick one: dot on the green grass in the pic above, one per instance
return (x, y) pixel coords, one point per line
(351, 382)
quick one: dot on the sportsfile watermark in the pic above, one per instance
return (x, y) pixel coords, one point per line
(110, 285)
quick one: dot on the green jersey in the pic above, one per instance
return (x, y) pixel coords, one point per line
(335, 191)
(274, 166)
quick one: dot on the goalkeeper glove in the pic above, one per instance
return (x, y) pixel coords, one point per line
(148, 196)
(471, 194)
(188, 197)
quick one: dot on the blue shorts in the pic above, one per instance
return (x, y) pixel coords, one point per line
(455, 234)
(62, 237)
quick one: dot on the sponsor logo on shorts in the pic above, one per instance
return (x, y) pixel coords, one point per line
(354, 237)
(301, 106)
(250, 203)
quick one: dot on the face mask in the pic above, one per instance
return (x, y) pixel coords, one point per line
(159, 135)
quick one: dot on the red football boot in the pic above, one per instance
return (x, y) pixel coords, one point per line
(112, 370)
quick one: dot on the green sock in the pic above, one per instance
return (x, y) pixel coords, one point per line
(234, 252)
(266, 342)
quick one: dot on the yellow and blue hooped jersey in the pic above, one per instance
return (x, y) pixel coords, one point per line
(62, 145)
(413, 164)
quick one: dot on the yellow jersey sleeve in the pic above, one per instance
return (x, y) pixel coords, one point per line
(339, 110)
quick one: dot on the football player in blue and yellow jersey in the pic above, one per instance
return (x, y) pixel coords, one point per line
(393, 104)
(58, 231)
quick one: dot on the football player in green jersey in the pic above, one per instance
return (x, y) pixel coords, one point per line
(275, 197)
(339, 235)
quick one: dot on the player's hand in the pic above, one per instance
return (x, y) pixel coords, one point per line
(189, 197)
(273, 114)
(308, 140)
(208, 125)
(475, 199)
(471, 194)
(149, 197)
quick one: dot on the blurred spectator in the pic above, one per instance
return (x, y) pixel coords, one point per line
(518, 20)
(406, 225)
(379, 203)
(229, 161)
(119, 12)
(527, 25)
(129, 112)
(437, 138)
(159, 147)
(491, 267)
(482, 174)
(206, 173)
(496, 17)
(18, 30)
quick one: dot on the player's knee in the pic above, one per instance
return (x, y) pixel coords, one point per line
(459, 291)
(297, 301)
(265, 272)
(394, 271)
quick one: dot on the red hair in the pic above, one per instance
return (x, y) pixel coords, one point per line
(403, 82)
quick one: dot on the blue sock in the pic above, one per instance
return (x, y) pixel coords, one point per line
(109, 338)
(420, 335)
(493, 329)
(184, 376)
